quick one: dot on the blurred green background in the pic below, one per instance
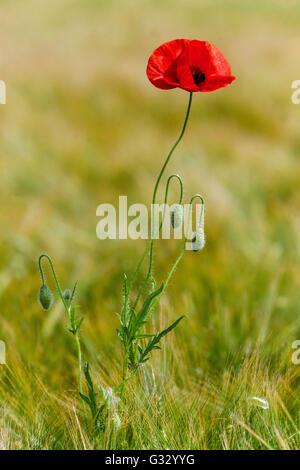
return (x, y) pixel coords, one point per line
(83, 125)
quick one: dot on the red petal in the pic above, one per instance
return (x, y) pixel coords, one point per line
(161, 69)
(184, 74)
(207, 57)
(214, 82)
(170, 66)
(198, 55)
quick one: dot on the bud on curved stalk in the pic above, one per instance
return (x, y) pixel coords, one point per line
(177, 216)
(45, 297)
(67, 294)
(198, 240)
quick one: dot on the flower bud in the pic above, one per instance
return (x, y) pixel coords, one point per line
(198, 240)
(67, 296)
(45, 297)
(177, 216)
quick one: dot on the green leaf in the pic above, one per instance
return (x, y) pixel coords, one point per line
(87, 374)
(73, 292)
(153, 343)
(78, 325)
(132, 320)
(131, 355)
(144, 336)
(101, 392)
(92, 396)
(98, 414)
(74, 323)
(137, 323)
(119, 333)
(170, 328)
(125, 306)
(85, 398)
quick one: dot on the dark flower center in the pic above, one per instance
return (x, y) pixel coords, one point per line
(198, 75)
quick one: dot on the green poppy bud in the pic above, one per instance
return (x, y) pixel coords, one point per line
(67, 296)
(45, 297)
(198, 240)
(177, 216)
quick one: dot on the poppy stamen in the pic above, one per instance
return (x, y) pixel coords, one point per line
(198, 75)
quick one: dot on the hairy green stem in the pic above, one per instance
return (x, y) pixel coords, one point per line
(155, 302)
(162, 172)
(132, 281)
(149, 273)
(151, 244)
(79, 355)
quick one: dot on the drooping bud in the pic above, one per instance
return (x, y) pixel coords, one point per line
(67, 296)
(45, 297)
(177, 214)
(198, 240)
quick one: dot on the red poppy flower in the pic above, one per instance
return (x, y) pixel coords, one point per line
(189, 64)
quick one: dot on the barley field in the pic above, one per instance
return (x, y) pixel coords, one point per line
(81, 126)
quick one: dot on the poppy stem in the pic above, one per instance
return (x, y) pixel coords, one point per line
(155, 194)
(67, 309)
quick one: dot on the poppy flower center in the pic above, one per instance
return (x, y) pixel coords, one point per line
(198, 75)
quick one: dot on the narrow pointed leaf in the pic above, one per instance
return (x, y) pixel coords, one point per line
(142, 315)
